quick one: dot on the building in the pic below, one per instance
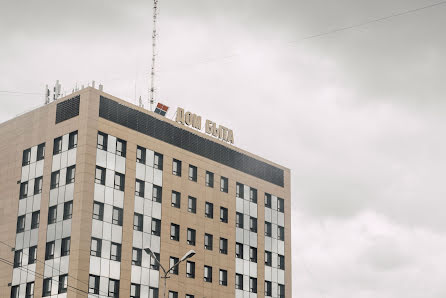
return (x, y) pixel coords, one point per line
(89, 181)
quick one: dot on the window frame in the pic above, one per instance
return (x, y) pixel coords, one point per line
(104, 139)
(193, 173)
(121, 180)
(223, 277)
(117, 221)
(207, 273)
(57, 149)
(239, 250)
(223, 246)
(193, 234)
(65, 247)
(139, 188)
(21, 221)
(138, 222)
(100, 180)
(158, 161)
(40, 152)
(50, 248)
(224, 184)
(32, 255)
(176, 167)
(138, 260)
(38, 182)
(115, 257)
(23, 190)
(72, 140)
(172, 261)
(96, 281)
(209, 179)
(193, 201)
(52, 215)
(99, 216)
(26, 157)
(209, 210)
(239, 220)
(157, 193)
(123, 144)
(175, 233)
(98, 251)
(175, 199)
(68, 210)
(208, 241)
(223, 214)
(142, 159)
(55, 176)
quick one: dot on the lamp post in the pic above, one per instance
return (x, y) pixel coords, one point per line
(188, 255)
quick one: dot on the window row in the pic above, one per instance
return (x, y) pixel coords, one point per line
(98, 213)
(137, 258)
(67, 212)
(96, 249)
(72, 143)
(113, 286)
(280, 260)
(18, 256)
(280, 203)
(192, 206)
(24, 188)
(239, 222)
(269, 290)
(140, 191)
(119, 180)
(35, 221)
(239, 283)
(121, 145)
(239, 252)
(240, 192)
(141, 158)
(29, 290)
(280, 231)
(26, 157)
(69, 178)
(50, 248)
(135, 291)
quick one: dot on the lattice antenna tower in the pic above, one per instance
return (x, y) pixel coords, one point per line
(154, 37)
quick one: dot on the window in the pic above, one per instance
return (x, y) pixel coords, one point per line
(57, 148)
(157, 194)
(115, 252)
(138, 222)
(239, 190)
(18, 258)
(100, 175)
(253, 285)
(158, 161)
(207, 273)
(224, 246)
(281, 262)
(49, 250)
(281, 233)
(72, 140)
(65, 248)
(172, 262)
(102, 141)
(55, 179)
(121, 147)
(175, 232)
(208, 241)
(141, 155)
(192, 205)
(224, 214)
(15, 291)
(223, 277)
(93, 284)
(32, 255)
(71, 172)
(224, 184)
(239, 220)
(117, 216)
(253, 254)
(268, 258)
(153, 292)
(63, 283)
(209, 210)
(268, 287)
(192, 173)
(173, 294)
(41, 151)
(29, 292)
(96, 247)
(139, 188)
(119, 181)
(281, 290)
(38, 185)
(253, 195)
(136, 256)
(191, 236)
(239, 250)
(26, 160)
(209, 179)
(52, 215)
(190, 296)
(156, 227)
(98, 210)
(176, 199)
(67, 210)
(268, 229)
(190, 269)
(23, 190)
(153, 263)
(135, 291)
(176, 167)
(35, 219)
(267, 200)
(253, 224)
(280, 205)
(20, 224)
(239, 281)
(113, 288)
(47, 287)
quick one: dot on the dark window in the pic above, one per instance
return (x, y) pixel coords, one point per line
(65, 247)
(96, 247)
(239, 250)
(224, 214)
(280, 205)
(71, 173)
(98, 210)
(192, 173)
(156, 227)
(29, 293)
(55, 179)
(20, 224)
(239, 190)
(93, 284)
(239, 220)
(49, 250)
(172, 262)
(157, 194)
(32, 255)
(191, 235)
(72, 140)
(268, 258)
(223, 277)
(174, 232)
(63, 283)
(268, 288)
(253, 224)
(176, 199)
(224, 246)
(57, 148)
(281, 233)
(224, 184)
(192, 205)
(281, 291)
(190, 269)
(268, 229)
(173, 294)
(35, 219)
(119, 181)
(253, 254)
(207, 273)
(209, 210)
(138, 222)
(18, 254)
(41, 151)
(136, 256)
(68, 210)
(15, 291)
(253, 195)
(26, 160)
(38, 185)
(115, 252)
(139, 188)
(267, 200)
(46, 287)
(281, 262)
(253, 285)
(208, 241)
(102, 140)
(100, 175)
(121, 147)
(117, 216)
(189, 296)
(141, 155)
(239, 281)
(135, 291)
(113, 288)
(153, 292)
(52, 214)
(176, 167)
(209, 179)
(153, 262)
(158, 161)
(23, 190)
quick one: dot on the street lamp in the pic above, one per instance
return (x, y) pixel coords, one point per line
(188, 255)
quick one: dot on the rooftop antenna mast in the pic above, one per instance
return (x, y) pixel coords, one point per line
(154, 35)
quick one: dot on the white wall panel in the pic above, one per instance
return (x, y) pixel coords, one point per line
(19, 241)
(253, 239)
(111, 145)
(149, 174)
(239, 203)
(54, 193)
(48, 268)
(32, 171)
(140, 171)
(71, 157)
(146, 240)
(111, 161)
(96, 228)
(116, 233)
(39, 168)
(29, 204)
(63, 176)
(110, 178)
(106, 246)
(145, 260)
(33, 154)
(252, 269)
(136, 275)
(103, 285)
(239, 265)
(31, 276)
(118, 198)
(145, 276)
(65, 142)
(281, 276)
(34, 237)
(253, 209)
(51, 232)
(155, 243)
(246, 207)
(23, 274)
(238, 293)
(61, 196)
(137, 239)
(22, 207)
(156, 210)
(239, 235)
(25, 173)
(280, 219)
(66, 228)
(149, 157)
(148, 207)
(101, 158)
(108, 213)
(148, 190)
(268, 273)
(281, 247)
(109, 195)
(139, 205)
(105, 267)
(63, 159)
(268, 244)
(69, 192)
(56, 163)
(120, 164)
(106, 231)
(99, 192)
(36, 202)
(64, 262)
(26, 236)
(57, 247)
(154, 278)
(115, 270)
(60, 213)
(157, 177)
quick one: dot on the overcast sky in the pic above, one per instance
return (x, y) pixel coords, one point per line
(358, 115)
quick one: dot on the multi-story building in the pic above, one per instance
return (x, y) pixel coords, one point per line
(88, 182)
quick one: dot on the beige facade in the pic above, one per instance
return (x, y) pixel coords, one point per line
(38, 126)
